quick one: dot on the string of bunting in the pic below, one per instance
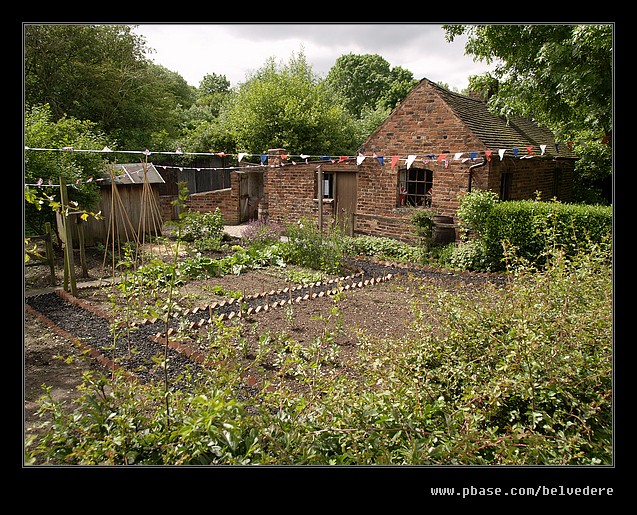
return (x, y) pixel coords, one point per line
(395, 159)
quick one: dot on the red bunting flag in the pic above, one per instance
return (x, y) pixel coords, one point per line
(394, 161)
(441, 157)
(488, 153)
(529, 149)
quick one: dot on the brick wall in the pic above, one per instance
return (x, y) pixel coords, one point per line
(423, 123)
(292, 192)
(529, 176)
(227, 200)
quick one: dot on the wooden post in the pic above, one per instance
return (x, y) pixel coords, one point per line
(320, 200)
(49, 250)
(80, 235)
(69, 263)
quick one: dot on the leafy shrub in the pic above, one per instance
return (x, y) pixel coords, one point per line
(475, 209)
(470, 255)
(307, 246)
(423, 221)
(241, 260)
(382, 248)
(262, 232)
(204, 427)
(204, 230)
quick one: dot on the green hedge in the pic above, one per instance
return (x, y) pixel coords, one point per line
(532, 228)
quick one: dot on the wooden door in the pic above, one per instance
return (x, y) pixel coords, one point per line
(345, 195)
(250, 191)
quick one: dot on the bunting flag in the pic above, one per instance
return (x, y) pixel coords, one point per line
(395, 159)
(242, 155)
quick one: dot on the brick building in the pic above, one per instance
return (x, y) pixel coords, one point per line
(434, 147)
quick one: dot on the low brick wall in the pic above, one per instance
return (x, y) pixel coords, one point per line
(227, 200)
(397, 227)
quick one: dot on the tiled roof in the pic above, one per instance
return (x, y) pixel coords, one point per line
(133, 173)
(496, 133)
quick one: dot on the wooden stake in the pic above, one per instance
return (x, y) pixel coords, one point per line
(49, 251)
(69, 263)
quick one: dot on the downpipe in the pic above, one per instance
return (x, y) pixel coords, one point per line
(471, 168)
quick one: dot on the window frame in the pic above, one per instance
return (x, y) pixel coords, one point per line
(328, 195)
(413, 190)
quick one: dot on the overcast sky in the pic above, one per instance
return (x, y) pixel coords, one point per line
(237, 50)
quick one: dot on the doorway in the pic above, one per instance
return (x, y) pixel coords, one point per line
(345, 196)
(250, 191)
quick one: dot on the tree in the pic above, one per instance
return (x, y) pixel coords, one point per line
(212, 92)
(367, 82)
(559, 75)
(213, 83)
(100, 73)
(402, 82)
(48, 166)
(288, 106)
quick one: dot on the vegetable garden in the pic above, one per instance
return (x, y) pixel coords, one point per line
(363, 352)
